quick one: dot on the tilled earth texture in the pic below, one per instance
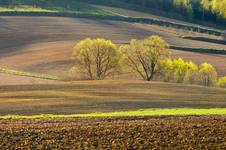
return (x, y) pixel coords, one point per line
(181, 132)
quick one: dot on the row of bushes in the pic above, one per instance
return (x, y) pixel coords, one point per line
(180, 71)
(118, 18)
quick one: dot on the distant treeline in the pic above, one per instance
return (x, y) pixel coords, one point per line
(206, 10)
(82, 9)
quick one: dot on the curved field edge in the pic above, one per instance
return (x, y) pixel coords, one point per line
(199, 50)
(27, 74)
(143, 112)
(116, 17)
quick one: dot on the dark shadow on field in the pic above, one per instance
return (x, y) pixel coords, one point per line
(204, 39)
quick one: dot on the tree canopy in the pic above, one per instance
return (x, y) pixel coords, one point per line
(96, 58)
(144, 56)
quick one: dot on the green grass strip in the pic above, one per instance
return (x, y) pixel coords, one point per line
(145, 112)
(27, 74)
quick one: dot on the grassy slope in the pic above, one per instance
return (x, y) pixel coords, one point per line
(105, 96)
(54, 38)
(153, 13)
(57, 6)
(145, 112)
(72, 8)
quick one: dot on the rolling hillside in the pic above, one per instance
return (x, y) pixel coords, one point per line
(44, 106)
(25, 40)
(104, 96)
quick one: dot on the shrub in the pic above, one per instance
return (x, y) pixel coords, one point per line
(191, 73)
(207, 75)
(180, 68)
(222, 82)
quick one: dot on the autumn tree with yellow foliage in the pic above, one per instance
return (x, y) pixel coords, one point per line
(207, 75)
(96, 58)
(144, 56)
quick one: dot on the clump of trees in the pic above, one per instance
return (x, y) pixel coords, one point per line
(180, 71)
(97, 59)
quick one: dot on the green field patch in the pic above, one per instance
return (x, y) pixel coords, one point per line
(27, 74)
(144, 112)
(54, 6)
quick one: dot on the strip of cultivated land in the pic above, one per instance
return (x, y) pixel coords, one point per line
(137, 113)
(188, 132)
(84, 97)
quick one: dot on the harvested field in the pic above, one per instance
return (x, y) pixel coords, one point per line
(44, 44)
(190, 132)
(105, 96)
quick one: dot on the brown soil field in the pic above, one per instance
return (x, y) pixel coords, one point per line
(174, 133)
(44, 44)
(105, 96)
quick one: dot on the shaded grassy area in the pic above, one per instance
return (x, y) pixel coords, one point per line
(136, 6)
(23, 9)
(85, 97)
(199, 50)
(75, 8)
(145, 112)
(57, 6)
(27, 74)
(205, 39)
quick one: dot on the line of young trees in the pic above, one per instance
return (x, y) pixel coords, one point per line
(97, 59)
(208, 10)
